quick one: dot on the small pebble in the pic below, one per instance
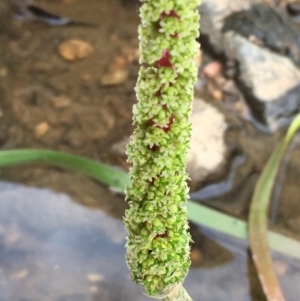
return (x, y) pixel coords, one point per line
(212, 69)
(255, 40)
(117, 72)
(41, 129)
(3, 72)
(60, 102)
(118, 63)
(196, 255)
(114, 78)
(74, 49)
(217, 94)
(238, 106)
(94, 278)
(131, 54)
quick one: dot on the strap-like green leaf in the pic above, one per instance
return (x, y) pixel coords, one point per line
(113, 177)
(258, 220)
(118, 180)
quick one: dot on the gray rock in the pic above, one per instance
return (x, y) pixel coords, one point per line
(270, 81)
(272, 30)
(208, 151)
(213, 14)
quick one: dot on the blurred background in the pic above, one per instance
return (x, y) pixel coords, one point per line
(67, 74)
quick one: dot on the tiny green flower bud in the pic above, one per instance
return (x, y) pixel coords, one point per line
(161, 115)
(173, 208)
(144, 231)
(149, 226)
(149, 261)
(157, 222)
(149, 207)
(171, 220)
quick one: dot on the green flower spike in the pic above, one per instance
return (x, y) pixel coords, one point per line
(158, 241)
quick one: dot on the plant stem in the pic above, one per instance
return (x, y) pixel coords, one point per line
(178, 293)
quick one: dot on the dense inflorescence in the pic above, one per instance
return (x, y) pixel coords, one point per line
(158, 241)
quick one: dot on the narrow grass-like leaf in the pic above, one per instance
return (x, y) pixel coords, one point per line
(237, 228)
(258, 217)
(118, 180)
(108, 175)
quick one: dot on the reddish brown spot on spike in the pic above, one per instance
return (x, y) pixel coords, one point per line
(163, 235)
(172, 14)
(165, 60)
(151, 122)
(164, 128)
(167, 127)
(158, 93)
(154, 148)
